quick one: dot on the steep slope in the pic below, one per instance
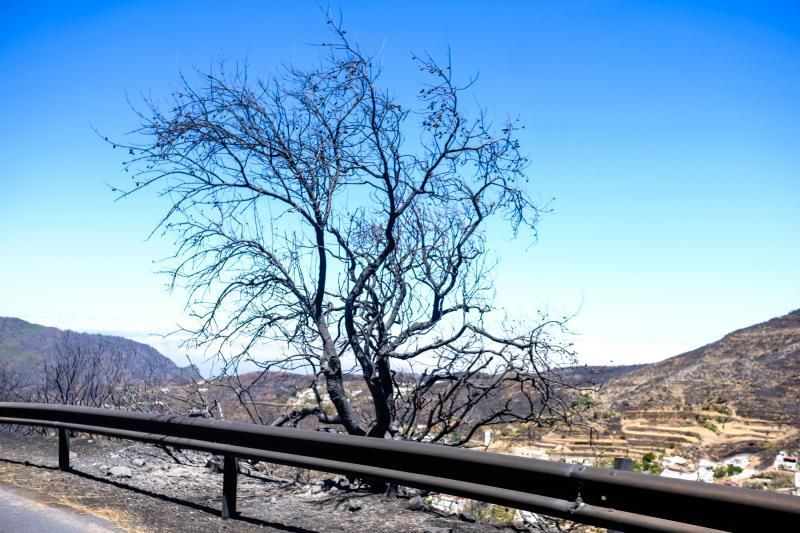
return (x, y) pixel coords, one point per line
(24, 347)
(738, 395)
(586, 375)
(754, 372)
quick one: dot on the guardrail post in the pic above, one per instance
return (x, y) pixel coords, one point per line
(230, 469)
(626, 464)
(623, 463)
(63, 449)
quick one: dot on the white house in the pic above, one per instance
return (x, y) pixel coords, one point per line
(784, 461)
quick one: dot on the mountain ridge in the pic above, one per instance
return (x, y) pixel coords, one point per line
(754, 370)
(25, 347)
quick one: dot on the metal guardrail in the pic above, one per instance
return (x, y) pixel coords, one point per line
(621, 500)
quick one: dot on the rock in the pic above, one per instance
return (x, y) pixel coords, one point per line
(342, 483)
(415, 503)
(90, 441)
(407, 492)
(353, 505)
(215, 465)
(466, 516)
(73, 455)
(437, 530)
(137, 462)
(120, 471)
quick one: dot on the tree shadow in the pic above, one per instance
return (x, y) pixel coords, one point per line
(164, 497)
(27, 463)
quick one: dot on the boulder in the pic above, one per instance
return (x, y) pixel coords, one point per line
(120, 471)
(415, 503)
(353, 505)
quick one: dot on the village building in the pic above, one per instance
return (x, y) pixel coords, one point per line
(784, 461)
(677, 467)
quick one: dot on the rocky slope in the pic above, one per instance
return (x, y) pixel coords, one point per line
(740, 394)
(754, 372)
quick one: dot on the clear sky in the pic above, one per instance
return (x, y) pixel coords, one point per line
(667, 132)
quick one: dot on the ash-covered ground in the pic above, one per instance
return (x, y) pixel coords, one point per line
(146, 488)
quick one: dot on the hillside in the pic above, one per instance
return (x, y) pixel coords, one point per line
(754, 371)
(740, 394)
(593, 376)
(24, 347)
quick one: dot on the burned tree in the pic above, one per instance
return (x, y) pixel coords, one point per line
(316, 212)
(13, 385)
(82, 373)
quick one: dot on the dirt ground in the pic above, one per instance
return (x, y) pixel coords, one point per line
(143, 488)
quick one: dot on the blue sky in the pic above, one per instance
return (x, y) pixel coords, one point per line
(667, 132)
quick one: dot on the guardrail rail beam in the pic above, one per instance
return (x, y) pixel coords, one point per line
(614, 499)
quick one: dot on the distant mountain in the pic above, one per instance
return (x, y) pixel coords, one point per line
(24, 347)
(755, 371)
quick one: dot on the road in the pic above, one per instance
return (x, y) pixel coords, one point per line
(21, 515)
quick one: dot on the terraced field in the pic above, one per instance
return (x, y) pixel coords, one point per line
(663, 431)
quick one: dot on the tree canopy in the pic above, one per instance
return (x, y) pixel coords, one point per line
(316, 211)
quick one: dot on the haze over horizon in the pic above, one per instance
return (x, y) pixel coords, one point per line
(666, 134)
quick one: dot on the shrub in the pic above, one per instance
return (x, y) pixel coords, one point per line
(584, 401)
(649, 464)
(733, 470)
(726, 470)
(754, 485)
(778, 480)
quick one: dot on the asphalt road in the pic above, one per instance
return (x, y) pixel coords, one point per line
(22, 515)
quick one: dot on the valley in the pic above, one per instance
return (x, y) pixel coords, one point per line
(738, 397)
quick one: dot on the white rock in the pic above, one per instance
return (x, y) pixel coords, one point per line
(120, 471)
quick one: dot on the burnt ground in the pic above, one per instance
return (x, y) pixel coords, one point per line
(144, 488)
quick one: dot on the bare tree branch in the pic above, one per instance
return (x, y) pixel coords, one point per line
(315, 212)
